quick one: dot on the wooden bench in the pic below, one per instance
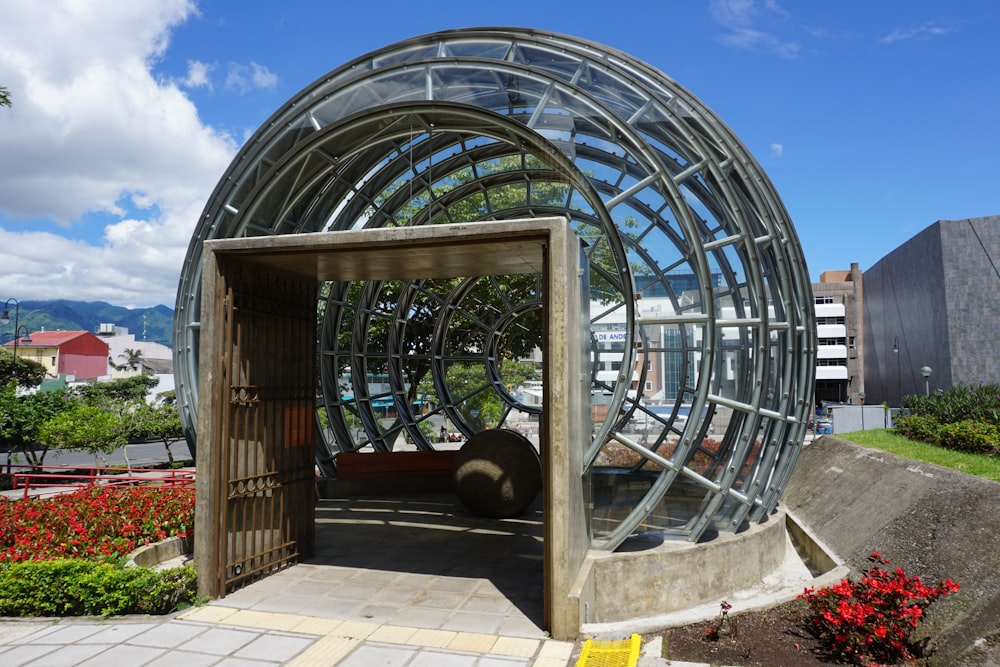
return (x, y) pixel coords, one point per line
(371, 465)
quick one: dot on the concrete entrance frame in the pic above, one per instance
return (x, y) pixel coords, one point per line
(255, 489)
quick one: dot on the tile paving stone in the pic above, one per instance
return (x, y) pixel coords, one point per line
(275, 647)
(14, 630)
(326, 573)
(243, 599)
(284, 604)
(438, 599)
(117, 632)
(490, 604)
(472, 642)
(383, 655)
(326, 607)
(356, 629)
(219, 641)
(26, 654)
(306, 587)
(393, 595)
(212, 613)
(392, 634)
(433, 638)
(421, 618)
(378, 577)
(352, 591)
(454, 584)
(251, 618)
(243, 662)
(73, 655)
(185, 658)
(436, 659)
(326, 651)
(464, 621)
(515, 646)
(169, 635)
(378, 613)
(497, 661)
(557, 650)
(317, 626)
(519, 626)
(68, 633)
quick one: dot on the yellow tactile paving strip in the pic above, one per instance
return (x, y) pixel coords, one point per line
(339, 638)
(617, 653)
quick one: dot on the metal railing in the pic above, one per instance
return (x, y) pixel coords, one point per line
(32, 482)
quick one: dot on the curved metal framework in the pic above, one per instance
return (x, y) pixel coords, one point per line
(703, 334)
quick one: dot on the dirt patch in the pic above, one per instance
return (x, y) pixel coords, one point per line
(767, 638)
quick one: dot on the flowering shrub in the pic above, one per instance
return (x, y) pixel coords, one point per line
(96, 522)
(921, 428)
(971, 436)
(869, 622)
(979, 402)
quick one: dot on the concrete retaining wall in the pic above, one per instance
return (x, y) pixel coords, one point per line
(931, 521)
(676, 575)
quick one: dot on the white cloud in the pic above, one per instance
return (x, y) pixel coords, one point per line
(915, 32)
(93, 129)
(741, 19)
(777, 150)
(197, 75)
(244, 78)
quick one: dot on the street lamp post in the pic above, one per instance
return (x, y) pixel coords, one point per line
(926, 372)
(25, 339)
(861, 397)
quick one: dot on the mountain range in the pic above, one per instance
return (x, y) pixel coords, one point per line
(152, 324)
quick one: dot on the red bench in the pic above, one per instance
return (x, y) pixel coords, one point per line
(371, 465)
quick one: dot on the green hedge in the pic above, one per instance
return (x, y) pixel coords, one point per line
(974, 437)
(75, 587)
(966, 418)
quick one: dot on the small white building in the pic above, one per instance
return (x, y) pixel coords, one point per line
(156, 358)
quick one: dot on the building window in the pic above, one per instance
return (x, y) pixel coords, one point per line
(832, 341)
(823, 299)
(851, 344)
(830, 320)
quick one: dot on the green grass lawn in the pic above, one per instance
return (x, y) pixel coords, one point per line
(886, 440)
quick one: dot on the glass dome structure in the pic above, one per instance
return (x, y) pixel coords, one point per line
(702, 345)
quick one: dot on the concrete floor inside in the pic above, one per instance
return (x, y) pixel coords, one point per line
(417, 560)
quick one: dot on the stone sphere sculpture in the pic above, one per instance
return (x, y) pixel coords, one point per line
(497, 474)
(702, 350)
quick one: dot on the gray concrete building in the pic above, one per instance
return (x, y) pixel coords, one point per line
(933, 303)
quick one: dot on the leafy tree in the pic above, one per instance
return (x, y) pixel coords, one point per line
(115, 394)
(27, 372)
(21, 417)
(133, 360)
(483, 407)
(85, 428)
(161, 421)
(4, 97)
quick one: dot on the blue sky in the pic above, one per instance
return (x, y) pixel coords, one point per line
(873, 119)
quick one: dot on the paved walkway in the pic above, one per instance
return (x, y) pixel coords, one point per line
(395, 583)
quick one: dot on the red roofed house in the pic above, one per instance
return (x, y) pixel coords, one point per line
(77, 353)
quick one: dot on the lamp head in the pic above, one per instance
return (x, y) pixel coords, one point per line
(5, 318)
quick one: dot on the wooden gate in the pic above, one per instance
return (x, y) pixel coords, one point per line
(256, 480)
